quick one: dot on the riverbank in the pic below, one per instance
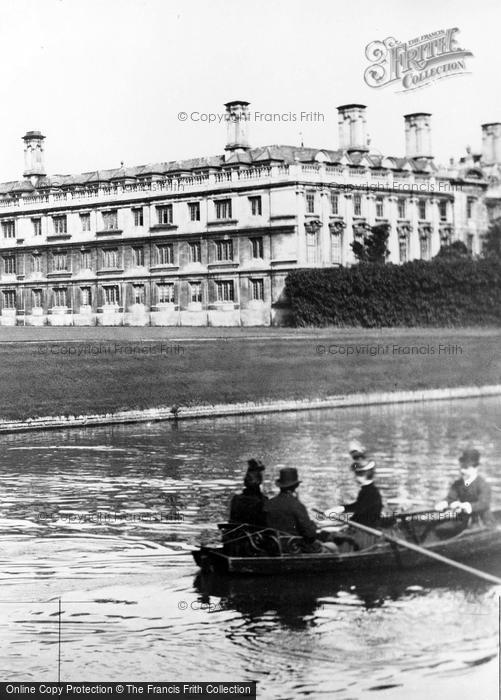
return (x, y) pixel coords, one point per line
(99, 371)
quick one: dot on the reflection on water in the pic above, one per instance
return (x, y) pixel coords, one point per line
(103, 519)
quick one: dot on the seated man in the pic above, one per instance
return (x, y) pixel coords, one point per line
(286, 514)
(470, 494)
(247, 507)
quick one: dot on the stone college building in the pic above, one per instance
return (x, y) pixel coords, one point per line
(210, 241)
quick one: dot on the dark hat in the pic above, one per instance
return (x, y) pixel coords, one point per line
(470, 456)
(362, 466)
(255, 465)
(288, 477)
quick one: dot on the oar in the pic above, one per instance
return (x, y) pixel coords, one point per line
(420, 550)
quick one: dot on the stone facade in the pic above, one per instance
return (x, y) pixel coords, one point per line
(210, 241)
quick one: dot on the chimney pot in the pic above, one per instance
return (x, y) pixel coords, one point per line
(34, 166)
(237, 119)
(352, 128)
(418, 135)
(491, 143)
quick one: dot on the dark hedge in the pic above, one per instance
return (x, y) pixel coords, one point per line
(419, 293)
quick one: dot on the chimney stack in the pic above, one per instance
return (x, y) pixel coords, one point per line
(352, 128)
(34, 167)
(418, 135)
(491, 143)
(237, 119)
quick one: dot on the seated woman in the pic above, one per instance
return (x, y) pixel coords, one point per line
(366, 509)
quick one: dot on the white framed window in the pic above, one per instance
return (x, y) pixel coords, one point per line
(110, 220)
(403, 249)
(165, 254)
(334, 203)
(111, 294)
(138, 293)
(60, 224)
(9, 264)
(138, 255)
(110, 258)
(379, 207)
(36, 262)
(223, 208)
(85, 221)
(336, 248)
(9, 229)
(422, 209)
(257, 290)
(442, 209)
(310, 202)
(469, 243)
(357, 205)
(470, 203)
(59, 262)
(138, 216)
(9, 299)
(196, 292)
(60, 296)
(165, 292)
(194, 211)
(424, 247)
(224, 250)
(256, 205)
(257, 247)
(85, 260)
(195, 252)
(402, 207)
(164, 214)
(37, 227)
(311, 247)
(37, 298)
(85, 296)
(225, 290)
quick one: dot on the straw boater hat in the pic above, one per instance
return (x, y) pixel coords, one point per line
(363, 465)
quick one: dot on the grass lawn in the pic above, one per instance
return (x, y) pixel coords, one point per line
(95, 370)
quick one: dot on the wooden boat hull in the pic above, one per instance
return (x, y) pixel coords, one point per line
(470, 544)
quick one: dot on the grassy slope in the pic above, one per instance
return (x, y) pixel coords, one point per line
(233, 367)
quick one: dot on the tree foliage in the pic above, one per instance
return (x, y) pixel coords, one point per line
(372, 248)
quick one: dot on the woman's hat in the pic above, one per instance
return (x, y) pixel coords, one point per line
(288, 477)
(356, 449)
(255, 465)
(362, 466)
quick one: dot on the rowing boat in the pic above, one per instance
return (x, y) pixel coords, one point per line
(468, 544)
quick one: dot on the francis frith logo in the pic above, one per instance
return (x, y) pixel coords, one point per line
(417, 62)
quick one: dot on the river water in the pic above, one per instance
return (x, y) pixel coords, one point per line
(104, 518)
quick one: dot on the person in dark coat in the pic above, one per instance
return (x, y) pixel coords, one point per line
(247, 507)
(470, 494)
(366, 509)
(286, 513)
(288, 516)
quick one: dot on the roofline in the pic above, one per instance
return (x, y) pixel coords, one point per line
(351, 106)
(417, 114)
(236, 102)
(491, 124)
